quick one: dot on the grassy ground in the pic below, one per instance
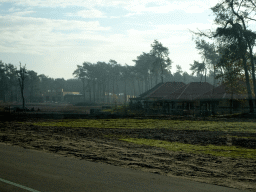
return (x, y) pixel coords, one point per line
(249, 127)
(214, 126)
(223, 151)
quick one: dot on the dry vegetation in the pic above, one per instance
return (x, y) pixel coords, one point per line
(217, 151)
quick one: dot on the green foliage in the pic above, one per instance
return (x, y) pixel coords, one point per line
(232, 16)
(198, 68)
(162, 57)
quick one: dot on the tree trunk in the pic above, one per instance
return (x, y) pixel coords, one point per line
(151, 79)
(222, 74)
(108, 92)
(83, 88)
(231, 104)
(22, 95)
(94, 90)
(16, 93)
(113, 91)
(205, 75)
(31, 93)
(11, 94)
(117, 90)
(4, 96)
(253, 72)
(162, 72)
(250, 48)
(133, 87)
(90, 91)
(139, 87)
(21, 83)
(142, 86)
(23, 100)
(214, 76)
(246, 76)
(248, 85)
(104, 93)
(99, 91)
(125, 92)
(146, 83)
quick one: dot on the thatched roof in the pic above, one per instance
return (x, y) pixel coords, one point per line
(222, 92)
(190, 91)
(150, 90)
(162, 90)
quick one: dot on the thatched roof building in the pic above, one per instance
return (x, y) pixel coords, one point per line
(189, 92)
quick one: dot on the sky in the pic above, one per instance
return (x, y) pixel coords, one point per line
(53, 37)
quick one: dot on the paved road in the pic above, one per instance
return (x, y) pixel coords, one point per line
(31, 170)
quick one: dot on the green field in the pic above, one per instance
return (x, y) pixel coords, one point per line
(223, 151)
(154, 124)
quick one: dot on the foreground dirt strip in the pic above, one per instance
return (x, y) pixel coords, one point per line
(91, 144)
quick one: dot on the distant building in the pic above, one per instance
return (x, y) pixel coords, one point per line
(57, 95)
(193, 98)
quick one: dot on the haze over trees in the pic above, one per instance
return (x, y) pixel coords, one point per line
(105, 81)
(102, 82)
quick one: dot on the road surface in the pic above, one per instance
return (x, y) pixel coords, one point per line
(30, 170)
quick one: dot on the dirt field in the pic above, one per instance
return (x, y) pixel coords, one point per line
(103, 145)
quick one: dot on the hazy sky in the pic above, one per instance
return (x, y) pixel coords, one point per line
(52, 37)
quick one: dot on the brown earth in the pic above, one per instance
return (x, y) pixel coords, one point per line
(93, 145)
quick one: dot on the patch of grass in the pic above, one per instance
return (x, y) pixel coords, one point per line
(222, 151)
(154, 124)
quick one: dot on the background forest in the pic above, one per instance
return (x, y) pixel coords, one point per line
(226, 57)
(100, 81)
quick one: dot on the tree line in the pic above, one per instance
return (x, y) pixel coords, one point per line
(226, 58)
(231, 55)
(34, 85)
(101, 82)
